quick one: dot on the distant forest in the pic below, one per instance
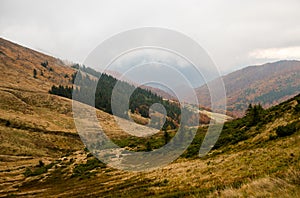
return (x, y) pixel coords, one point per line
(140, 100)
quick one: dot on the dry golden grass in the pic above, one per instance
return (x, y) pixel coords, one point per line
(17, 64)
(263, 187)
(253, 168)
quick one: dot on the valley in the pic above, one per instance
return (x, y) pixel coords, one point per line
(42, 155)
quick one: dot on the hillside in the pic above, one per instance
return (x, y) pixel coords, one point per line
(268, 84)
(18, 64)
(35, 125)
(258, 162)
(41, 154)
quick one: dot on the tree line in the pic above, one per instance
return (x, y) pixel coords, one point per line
(139, 102)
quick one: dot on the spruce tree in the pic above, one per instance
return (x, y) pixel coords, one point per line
(34, 73)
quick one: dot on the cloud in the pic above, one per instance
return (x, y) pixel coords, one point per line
(153, 61)
(227, 29)
(277, 53)
(145, 55)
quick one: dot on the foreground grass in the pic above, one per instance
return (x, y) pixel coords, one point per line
(269, 170)
(248, 161)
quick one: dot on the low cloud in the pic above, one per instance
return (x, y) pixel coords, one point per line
(276, 53)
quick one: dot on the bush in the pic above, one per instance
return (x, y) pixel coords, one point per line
(287, 130)
(41, 163)
(7, 123)
(297, 108)
(27, 172)
(148, 146)
(84, 169)
(44, 64)
(272, 137)
(89, 155)
(40, 169)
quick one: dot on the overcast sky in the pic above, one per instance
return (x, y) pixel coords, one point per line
(235, 33)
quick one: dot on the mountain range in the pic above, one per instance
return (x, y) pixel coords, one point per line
(267, 84)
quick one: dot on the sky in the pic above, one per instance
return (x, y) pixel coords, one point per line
(234, 33)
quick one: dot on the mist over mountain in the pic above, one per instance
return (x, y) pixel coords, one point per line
(157, 64)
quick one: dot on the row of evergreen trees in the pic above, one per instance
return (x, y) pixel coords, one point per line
(62, 91)
(140, 100)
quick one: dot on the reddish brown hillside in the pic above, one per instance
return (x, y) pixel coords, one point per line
(268, 84)
(17, 65)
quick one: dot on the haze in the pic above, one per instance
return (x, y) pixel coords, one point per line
(234, 33)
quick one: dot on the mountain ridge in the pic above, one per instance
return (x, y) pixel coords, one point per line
(279, 81)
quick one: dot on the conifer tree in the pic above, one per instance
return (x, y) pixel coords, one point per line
(34, 73)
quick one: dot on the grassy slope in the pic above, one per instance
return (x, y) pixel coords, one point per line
(261, 166)
(17, 64)
(34, 125)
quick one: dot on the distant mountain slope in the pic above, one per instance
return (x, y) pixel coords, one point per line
(268, 84)
(17, 64)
